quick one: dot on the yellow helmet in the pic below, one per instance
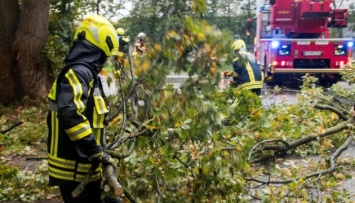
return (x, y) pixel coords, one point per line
(100, 32)
(120, 31)
(238, 44)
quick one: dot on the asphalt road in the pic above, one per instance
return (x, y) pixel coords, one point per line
(176, 80)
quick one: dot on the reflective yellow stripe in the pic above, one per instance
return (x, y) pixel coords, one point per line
(99, 110)
(53, 92)
(100, 105)
(83, 167)
(91, 86)
(79, 131)
(60, 162)
(250, 72)
(54, 133)
(77, 91)
(251, 85)
(65, 175)
(51, 151)
(66, 169)
(80, 177)
(97, 134)
(98, 120)
(68, 164)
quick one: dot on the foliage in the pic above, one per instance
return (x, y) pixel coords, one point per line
(27, 133)
(61, 30)
(351, 18)
(64, 15)
(348, 74)
(146, 16)
(26, 140)
(182, 151)
(193, 156)
(15, 183)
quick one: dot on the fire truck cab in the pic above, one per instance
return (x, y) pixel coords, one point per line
(292, 38)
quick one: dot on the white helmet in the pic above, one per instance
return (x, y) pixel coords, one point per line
(142, 35)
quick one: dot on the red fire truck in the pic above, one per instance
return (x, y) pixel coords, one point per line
(292, 38)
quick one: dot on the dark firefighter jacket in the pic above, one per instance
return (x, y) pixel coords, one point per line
(75, 123)
(122, 43)
(249, 73)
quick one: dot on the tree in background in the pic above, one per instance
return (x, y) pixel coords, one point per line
(32, 51)
(23, 34)
(150, 16)
(172, 143)
(63, 15)
(351, 18)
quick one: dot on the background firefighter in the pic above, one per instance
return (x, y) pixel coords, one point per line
(122, 46)
(139, 45)
(118, 54)
(249, 74)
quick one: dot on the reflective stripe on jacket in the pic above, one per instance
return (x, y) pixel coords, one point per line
(75, 122)
(122, 43)
(249, 72)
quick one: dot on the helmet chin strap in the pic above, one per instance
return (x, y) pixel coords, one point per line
(83, 51)
(97, 66)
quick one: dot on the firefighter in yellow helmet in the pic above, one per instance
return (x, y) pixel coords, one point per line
(122, 45)
(139, 46)
(249, 74)
(76, 112)
(118, 54)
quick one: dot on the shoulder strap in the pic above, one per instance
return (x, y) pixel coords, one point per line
(69, 65)
(55, 88)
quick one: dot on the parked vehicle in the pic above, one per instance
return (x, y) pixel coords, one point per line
(293, 38)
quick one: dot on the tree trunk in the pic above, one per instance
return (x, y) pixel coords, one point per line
(25, 72)
(9, 15)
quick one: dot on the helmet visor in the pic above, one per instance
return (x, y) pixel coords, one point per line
(109, 43)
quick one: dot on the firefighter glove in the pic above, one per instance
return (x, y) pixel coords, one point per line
(104, 158)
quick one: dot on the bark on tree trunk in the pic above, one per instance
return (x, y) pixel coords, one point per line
(24, 69)
(9, 14)
(31, 37)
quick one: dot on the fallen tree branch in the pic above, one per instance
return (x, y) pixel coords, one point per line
(332, 167)
(9, 158)
(36, 157)
(332, 109)
(252, 151)
(128, 195)
(294, 144)
(111, 180)
(11, 127)
(109, 175)
(119, 154)
(81, 187)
